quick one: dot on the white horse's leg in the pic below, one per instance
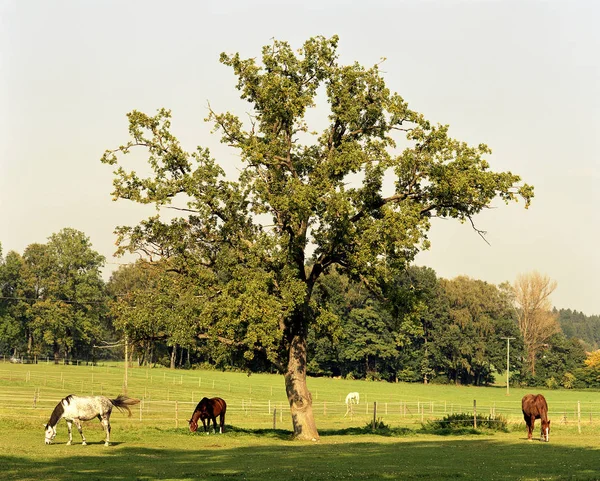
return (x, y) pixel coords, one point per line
(79, 428)
(106, 425)
(69, 426)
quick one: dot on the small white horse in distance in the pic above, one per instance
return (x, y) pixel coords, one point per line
(77, 408)
(351, 398)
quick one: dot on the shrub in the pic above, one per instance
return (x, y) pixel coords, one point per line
(568, 380)
(462, 423)
(379, 425)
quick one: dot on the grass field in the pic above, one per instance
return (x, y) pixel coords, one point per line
(155, 442)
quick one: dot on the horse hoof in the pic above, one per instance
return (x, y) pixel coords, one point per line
(84, 443)
(69, 443)
(107, 444)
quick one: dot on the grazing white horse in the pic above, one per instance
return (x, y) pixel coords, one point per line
(78, 408)
(351, 398)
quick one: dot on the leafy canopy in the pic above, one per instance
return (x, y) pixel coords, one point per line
(304, 200)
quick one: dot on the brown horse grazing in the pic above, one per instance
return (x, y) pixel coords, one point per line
(535, 407)
(209, 409)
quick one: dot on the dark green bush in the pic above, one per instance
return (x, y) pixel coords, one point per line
(462, 423)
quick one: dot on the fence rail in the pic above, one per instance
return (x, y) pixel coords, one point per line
(169, 397)
(176, 413)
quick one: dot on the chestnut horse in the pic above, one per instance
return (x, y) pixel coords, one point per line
(535, 407)
(209, 409)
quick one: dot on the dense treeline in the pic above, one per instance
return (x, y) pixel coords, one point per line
(417, 328)
(577, 325)
(53, 300)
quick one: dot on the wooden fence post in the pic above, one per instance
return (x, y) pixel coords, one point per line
(176, 414)
(474, 414)
(579, 416)
(374, 414)
(275, 418)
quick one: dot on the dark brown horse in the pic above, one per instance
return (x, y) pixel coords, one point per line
(535, 407)
(209, 409)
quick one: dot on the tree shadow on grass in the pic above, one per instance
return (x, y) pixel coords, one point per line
(404, 459)
(285, 434)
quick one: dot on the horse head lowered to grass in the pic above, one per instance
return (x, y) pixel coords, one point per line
(79, 408)
(535, 407)
(209, 409)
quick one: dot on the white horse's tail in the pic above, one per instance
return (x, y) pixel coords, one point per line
(123, 402)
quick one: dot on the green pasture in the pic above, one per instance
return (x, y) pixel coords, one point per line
(155, 443)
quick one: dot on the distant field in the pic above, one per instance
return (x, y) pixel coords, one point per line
(155, 442)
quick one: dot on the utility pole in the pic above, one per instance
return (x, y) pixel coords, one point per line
(507, 363)
(126, 363)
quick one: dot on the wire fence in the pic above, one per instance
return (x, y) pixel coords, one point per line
(248, 412)
(168, 398)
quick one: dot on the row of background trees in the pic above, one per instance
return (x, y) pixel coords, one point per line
(55, 304)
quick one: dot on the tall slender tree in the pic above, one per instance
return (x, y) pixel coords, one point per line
(537, 322)
(322, 195)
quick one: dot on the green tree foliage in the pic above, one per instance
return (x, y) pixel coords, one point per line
(55, 296)
(480, 314)
(15, 335)
(559, 363)
(258, 275)
(152, 305)
(419, 309)
(576, 324)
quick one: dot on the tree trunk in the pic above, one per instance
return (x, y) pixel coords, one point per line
(173, 356)
(56, 353)
(299, 396)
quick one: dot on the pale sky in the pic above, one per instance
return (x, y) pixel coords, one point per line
(520, 76)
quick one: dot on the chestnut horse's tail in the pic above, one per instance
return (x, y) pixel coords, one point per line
(123, 402)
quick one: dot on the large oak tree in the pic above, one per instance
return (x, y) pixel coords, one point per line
(304, 200)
